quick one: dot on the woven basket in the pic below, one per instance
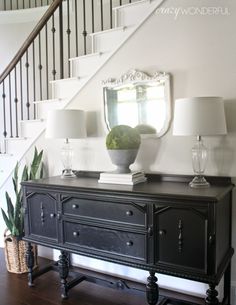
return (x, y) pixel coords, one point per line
(15, 254)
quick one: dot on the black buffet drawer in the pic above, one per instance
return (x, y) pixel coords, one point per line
(108, 240)
(103, 210)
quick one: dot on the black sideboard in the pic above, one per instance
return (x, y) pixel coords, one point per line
(162, 226)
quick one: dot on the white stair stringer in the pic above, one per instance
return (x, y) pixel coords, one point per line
(105, 41)
(83, 66)
(77, 82)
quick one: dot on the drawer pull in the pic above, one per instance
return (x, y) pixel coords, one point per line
(162, 232)
(75, 206)
(129, 213)
(129, 243)
(75, 234)
(52, 215)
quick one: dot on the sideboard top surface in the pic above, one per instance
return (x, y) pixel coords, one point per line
(157, 188)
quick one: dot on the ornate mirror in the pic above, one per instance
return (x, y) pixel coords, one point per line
(138, 99)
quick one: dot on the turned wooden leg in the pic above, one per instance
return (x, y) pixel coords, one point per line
(63, 265)
(212, 294)
(152, 290)
(30, 263)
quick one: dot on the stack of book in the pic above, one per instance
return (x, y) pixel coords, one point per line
(129, 178)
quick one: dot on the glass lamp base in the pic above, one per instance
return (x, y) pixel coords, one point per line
(67, 173)
(199, 182)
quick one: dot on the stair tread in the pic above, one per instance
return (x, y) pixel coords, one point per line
(86, 56)
(32, 121)
(119, 28)
(52, 100)
(15, 138)
(130, 4)
(66, 79)
(5, 155)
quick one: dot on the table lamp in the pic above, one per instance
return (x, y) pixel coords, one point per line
(199, 116)
(66, 124)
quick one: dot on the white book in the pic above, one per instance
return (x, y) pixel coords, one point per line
(128, 177)
(122, 181)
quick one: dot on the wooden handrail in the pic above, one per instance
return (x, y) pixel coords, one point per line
(52, 8)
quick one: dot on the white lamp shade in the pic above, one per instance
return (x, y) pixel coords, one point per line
(66, 124)
(199, 116)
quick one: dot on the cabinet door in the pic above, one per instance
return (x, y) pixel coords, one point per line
(42, 220)
(181, 238)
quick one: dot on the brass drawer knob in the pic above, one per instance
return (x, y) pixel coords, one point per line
(129, 213)
(129, 243)
(75, 234)
(52, 215)
(75, 206)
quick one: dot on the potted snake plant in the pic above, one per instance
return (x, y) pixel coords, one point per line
(15, 247)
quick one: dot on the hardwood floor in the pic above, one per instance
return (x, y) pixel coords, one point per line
(14, 290)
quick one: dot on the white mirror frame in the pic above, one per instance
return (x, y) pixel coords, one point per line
(133, 76)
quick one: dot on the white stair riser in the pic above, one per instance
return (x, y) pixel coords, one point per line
(131, 14)
(107, 41)
(29, 129)
(5, 164)
(44, 108)
(65, 89)
(85, 66)
(16, 146)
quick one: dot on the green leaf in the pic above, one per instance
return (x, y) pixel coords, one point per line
(10, 208)
(7, 221)
(15, 177)
(41, 171)
(35, 164)
(25, 175)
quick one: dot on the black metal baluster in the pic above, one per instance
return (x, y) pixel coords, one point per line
(34, 78)
(93, 16)
(17, 4)
(21, 92)
(27, 85)
(68, 31)
(35, 3)
(76, 30)
(40, 67)
(29, 4)
(101, 3)
(5, 6)
(10, 106)
(4, 110)
(61, 41)
(120, 2)
(84, 29)
(16, 104)
(46, 55)
(53, 48)
(11, 4)
(23, 3)
(111, 14)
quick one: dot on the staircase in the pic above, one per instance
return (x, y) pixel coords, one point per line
(102, 45)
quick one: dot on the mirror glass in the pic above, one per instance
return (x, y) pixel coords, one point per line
(138, 99)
